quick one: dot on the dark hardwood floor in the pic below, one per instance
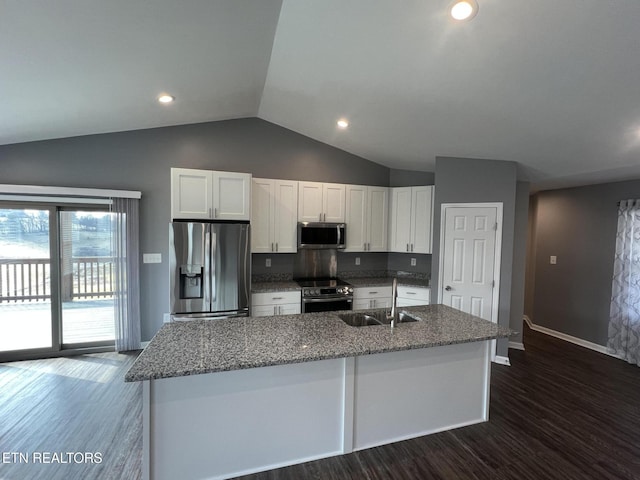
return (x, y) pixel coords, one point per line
(559, 412)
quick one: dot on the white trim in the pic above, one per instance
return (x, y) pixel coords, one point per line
(40, 199)
(501, 360)
(516, 345)
(569, 338)
(143, 345)
(497, 258)
(67, 191)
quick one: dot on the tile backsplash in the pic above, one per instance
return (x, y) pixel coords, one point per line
(372, 264)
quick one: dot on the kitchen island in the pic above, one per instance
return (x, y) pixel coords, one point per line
(229, 397)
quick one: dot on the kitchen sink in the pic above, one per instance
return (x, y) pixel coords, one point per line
(378, 317)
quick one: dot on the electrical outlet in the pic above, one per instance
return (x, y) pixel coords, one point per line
(357, 260)
(166, 318)
(413, 262)
(267, 262)
(553, 259)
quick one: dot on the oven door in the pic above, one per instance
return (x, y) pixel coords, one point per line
(326, 304)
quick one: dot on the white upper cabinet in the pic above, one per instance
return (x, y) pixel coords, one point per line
(333, 201)
(274, 216)
(262, 214)
(321, 202)
(366, 218)
(377, 218)
(191, 193)
(286, 216)
(411, 217)
(210, 195)
(231, 196)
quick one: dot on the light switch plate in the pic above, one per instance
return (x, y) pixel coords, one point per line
(553, 259)
(357, 260)
(413, 262)
(151, 258)
(267, 262)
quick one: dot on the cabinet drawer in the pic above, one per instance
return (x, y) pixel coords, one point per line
(275, 298)
(270, 310)
(414, 293)
(372, 292)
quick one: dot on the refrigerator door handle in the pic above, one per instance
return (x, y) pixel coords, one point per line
(207, 265)
(214, 273)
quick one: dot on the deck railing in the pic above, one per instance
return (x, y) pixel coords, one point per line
(29, 279)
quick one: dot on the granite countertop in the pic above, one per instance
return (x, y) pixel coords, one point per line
(383, 281)
(205, 346)
(261, 287)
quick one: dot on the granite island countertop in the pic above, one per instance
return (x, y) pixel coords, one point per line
(206, 346)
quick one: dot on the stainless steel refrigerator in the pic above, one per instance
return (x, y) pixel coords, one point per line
(210, 269)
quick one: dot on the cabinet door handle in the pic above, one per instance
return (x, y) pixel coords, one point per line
(279, 310)
(407, 247)
(275, 310)
(277, 298)
(215, 213)
(276, 246)
(320, 217)
(272, 247)
(412, 247)
(324, 217)
(372, 293)
(209, 212)
(411, 293)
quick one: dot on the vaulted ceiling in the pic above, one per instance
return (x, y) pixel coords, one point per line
(551, 84)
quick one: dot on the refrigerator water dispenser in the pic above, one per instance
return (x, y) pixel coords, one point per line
(191, 281)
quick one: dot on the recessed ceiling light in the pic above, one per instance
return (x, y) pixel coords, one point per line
(464, 9)
(164, 98)
(342, 123)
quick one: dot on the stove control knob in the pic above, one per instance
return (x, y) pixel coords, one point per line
(316, 291)
(350, 289)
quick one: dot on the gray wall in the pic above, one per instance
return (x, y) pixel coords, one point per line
(410, 178)
(463, 180)
(578, 225)
(518, 273)
(141, 160)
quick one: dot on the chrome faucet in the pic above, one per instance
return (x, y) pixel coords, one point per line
(394, 298)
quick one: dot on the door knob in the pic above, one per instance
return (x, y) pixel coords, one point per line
(447, 288)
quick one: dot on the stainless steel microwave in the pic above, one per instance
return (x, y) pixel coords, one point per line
(321, 235)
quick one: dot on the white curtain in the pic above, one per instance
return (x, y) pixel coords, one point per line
(125, 239)
(624, 321)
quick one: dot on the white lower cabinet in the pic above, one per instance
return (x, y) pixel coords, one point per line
(266, 304)
(412, 296)
(371, 297)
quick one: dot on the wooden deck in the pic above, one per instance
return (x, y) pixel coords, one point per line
(28, 325)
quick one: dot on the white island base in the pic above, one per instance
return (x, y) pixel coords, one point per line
(226, 424)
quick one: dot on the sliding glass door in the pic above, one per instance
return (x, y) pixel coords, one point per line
(25, 280)
(56, 280)
(86, 265)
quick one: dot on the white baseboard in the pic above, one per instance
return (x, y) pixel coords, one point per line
(516, 345)
(569, 338)
(499, 359)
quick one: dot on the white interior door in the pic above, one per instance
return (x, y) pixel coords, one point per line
(469, 249)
